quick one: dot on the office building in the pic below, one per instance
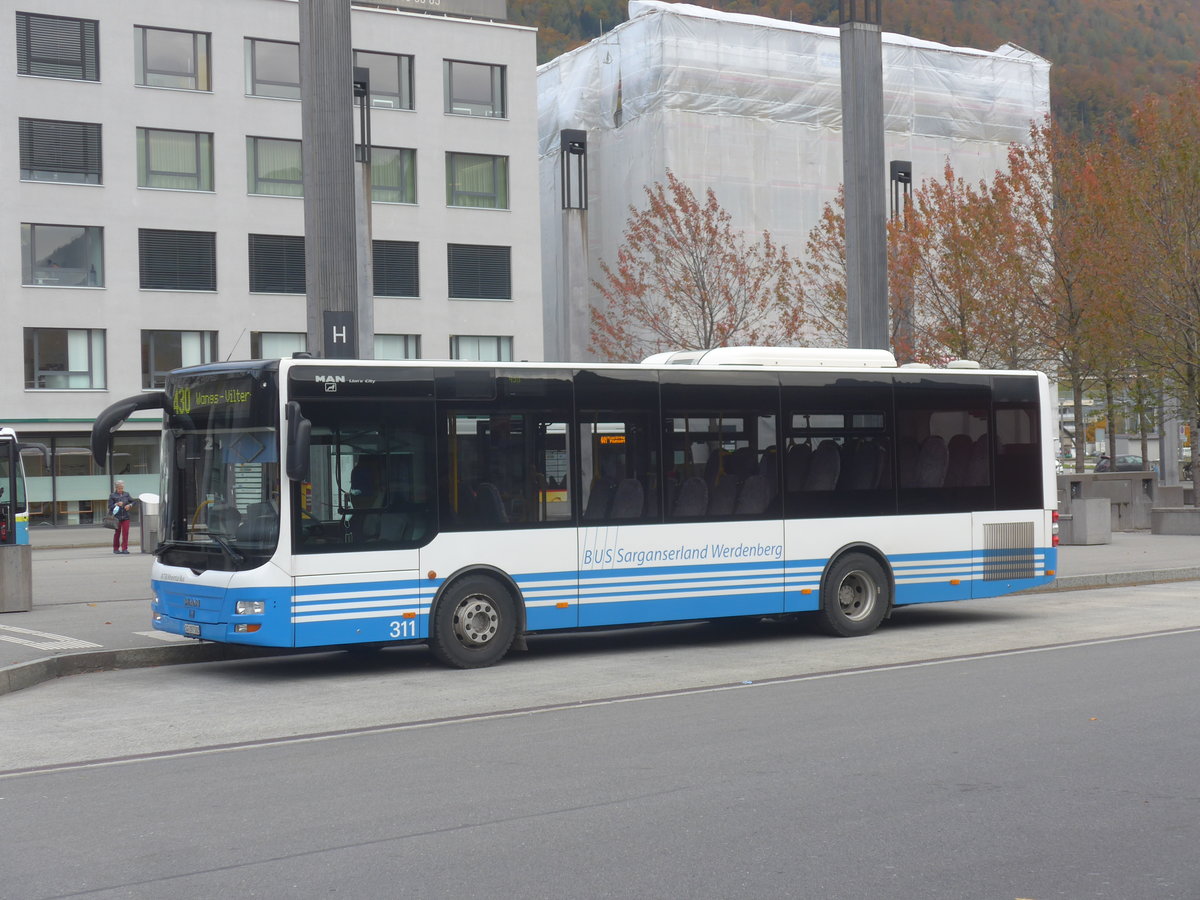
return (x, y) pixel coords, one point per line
(153, 213)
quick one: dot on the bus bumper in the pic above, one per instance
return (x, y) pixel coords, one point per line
(210, 613)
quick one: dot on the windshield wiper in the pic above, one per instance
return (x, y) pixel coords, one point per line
(231, 551)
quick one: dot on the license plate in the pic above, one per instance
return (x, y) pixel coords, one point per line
(191, 629)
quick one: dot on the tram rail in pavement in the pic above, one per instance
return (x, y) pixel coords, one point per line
(91, 608)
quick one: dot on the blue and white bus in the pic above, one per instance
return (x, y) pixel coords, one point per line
(321, 503)
(14, 502)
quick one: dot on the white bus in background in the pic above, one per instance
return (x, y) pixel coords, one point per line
(312, 503)
(14, 500)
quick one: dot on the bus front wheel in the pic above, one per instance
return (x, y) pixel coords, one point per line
(474, 623)
(854, 596)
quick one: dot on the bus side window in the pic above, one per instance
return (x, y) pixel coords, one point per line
(506, 470)
(941, 429)
(1018, 443)
(732, 453)
(618, 466)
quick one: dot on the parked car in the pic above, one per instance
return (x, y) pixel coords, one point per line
(1120, 464)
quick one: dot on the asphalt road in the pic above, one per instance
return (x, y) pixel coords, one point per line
(1052, 754)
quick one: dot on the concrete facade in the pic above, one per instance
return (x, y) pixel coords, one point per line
(119, 309)
(1130, 496)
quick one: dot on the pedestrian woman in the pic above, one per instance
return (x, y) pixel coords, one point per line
(119, 504)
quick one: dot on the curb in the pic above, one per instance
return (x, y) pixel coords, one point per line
(1119, 579)
(28, 674)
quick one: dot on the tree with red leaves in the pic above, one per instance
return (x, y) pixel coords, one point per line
(687, 279)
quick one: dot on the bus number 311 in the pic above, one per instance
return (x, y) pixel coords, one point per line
(403, 628)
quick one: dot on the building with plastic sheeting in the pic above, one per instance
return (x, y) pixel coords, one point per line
(750, 107)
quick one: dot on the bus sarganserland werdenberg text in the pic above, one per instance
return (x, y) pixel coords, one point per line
(326, 503)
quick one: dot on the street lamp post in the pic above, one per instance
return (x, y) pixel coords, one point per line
(904, 340)
(567, 316)
(862, 174)
(337, 241)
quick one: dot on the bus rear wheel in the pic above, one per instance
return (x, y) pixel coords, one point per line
(855, 596)
(474, 623)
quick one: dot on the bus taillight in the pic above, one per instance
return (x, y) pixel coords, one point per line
(1054, 528)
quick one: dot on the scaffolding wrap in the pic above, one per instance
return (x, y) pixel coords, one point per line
(751, 107)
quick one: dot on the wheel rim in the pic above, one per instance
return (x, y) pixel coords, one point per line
(476, 620)
(857, 595)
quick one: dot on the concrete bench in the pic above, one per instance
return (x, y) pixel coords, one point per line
(1175, 520)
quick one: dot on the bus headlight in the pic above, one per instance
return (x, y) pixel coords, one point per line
(249, 608)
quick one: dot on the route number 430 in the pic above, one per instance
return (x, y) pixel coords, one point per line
(403, 628)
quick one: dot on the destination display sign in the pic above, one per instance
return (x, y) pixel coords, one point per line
(234, 397)
(211, 391)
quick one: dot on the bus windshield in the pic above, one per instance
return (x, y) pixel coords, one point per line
(220, 470)
(12, 491)
(8, 469)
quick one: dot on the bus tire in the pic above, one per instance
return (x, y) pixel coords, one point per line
(855, 595)
(474, 623)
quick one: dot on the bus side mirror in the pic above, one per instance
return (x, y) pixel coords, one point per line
(26, 446)
(114, 416)
(299, 439)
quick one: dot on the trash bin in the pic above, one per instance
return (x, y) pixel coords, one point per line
(149, 509)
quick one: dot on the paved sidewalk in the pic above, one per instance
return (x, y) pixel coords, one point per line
(46, 537)
(91, 609)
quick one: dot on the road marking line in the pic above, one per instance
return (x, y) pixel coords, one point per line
(48, 642)
(165, 636)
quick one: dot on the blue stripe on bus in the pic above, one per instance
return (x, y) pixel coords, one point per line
(338, 613)
(344, 587)
(642, 571)
(697, 606)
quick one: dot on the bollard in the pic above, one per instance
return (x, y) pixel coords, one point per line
(16, 578)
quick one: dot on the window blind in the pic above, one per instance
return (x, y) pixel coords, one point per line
(177, 260)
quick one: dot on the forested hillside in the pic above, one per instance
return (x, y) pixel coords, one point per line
(1107, 54)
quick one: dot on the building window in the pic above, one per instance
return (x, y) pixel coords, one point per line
(476, 180)
(276, 264)
(163, 351)
(169, 58)
(393, 175)
(273, 166)
(175, 160)
(395, 269)
(58, 47)
(479, 272)
(391, 78)
(272, 69)
(397, 346)
(473, 89)
(481, 347)
(177, 260)
(136, 455)
(277, 344)
(62, 255)
(58, 359)
(60, 151)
